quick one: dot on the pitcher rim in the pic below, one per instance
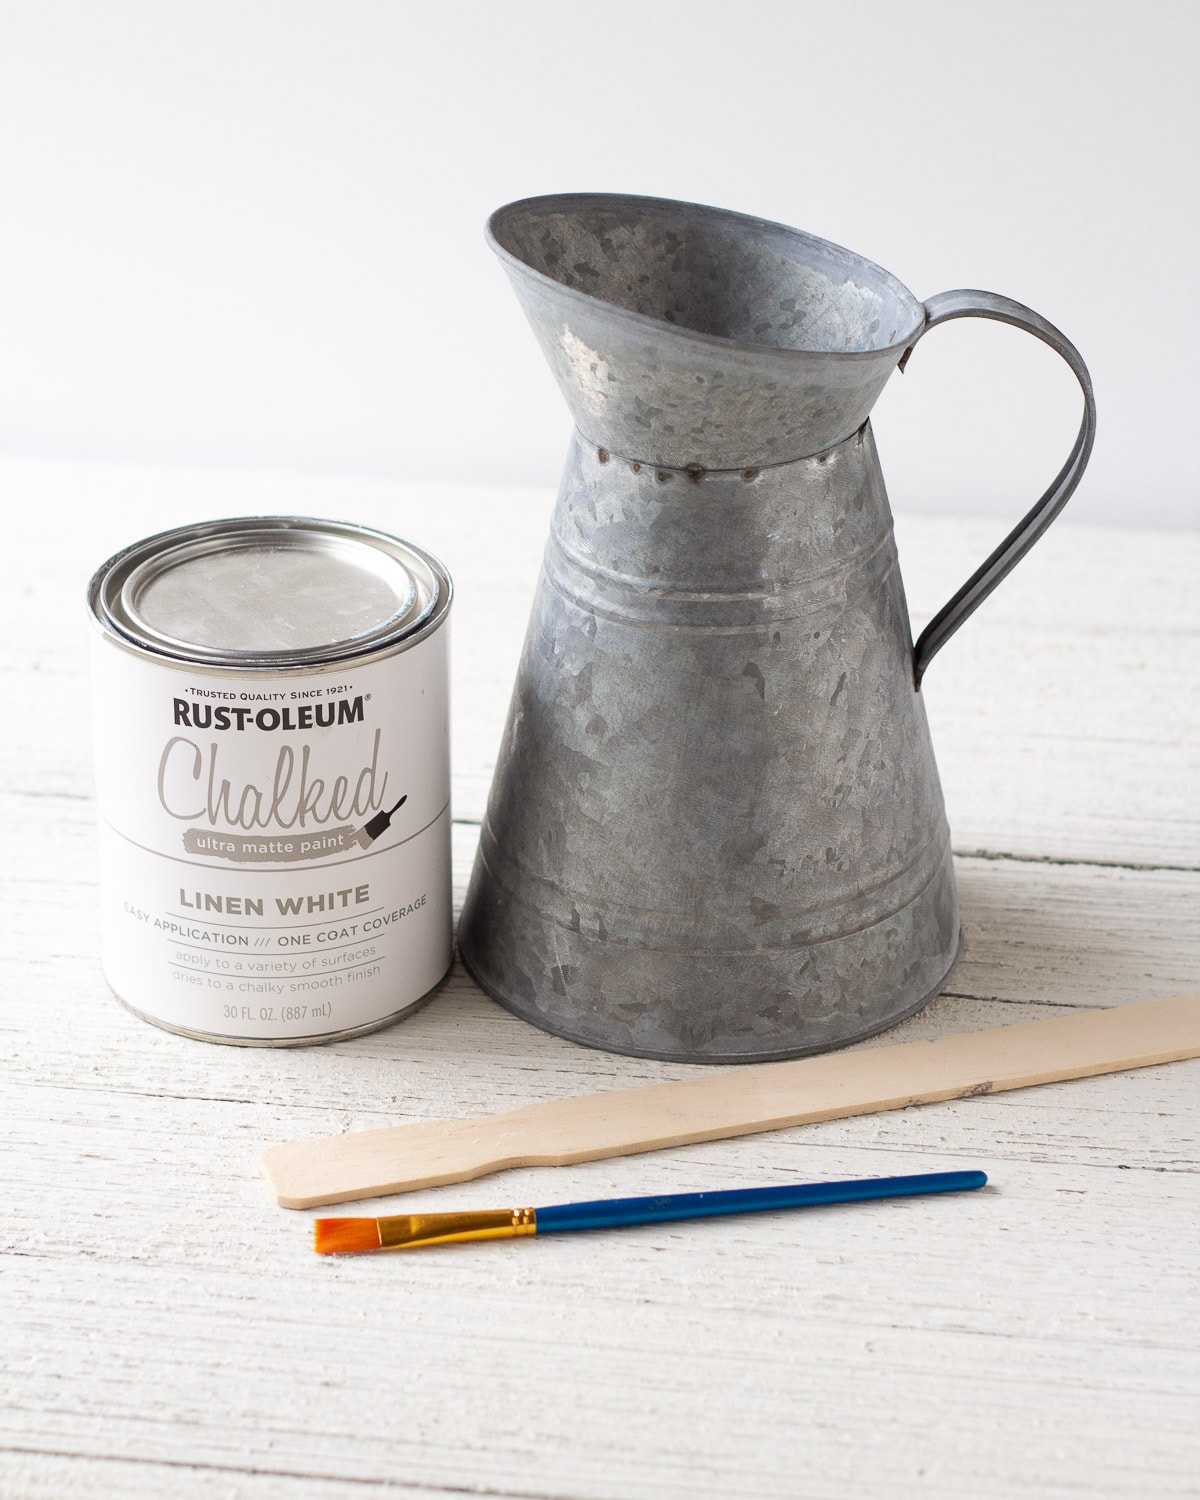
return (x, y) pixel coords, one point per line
(565, 201)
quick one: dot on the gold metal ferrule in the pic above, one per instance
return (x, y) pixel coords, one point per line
(412, 1231)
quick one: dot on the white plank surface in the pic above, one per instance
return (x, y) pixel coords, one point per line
(168, 1332)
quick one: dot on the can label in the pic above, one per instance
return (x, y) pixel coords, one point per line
(275, 846)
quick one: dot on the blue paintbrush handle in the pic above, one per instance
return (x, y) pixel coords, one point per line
(610, 1213)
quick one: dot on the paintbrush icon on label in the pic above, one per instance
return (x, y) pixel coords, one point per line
(380, 823)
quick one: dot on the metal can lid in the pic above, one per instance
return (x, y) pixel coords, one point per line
(265, 591)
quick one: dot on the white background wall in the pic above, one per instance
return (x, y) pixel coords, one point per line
(249, 232)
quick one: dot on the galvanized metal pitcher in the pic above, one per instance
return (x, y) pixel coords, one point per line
(716, 831)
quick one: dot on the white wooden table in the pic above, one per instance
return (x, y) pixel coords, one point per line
(167, 1331)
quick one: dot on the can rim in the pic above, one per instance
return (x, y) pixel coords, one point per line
(114, 589)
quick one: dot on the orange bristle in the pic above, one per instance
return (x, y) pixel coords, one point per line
(344, 1236)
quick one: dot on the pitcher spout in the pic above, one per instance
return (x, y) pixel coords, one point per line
(694, 337)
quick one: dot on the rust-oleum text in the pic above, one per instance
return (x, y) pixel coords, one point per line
(302, 716)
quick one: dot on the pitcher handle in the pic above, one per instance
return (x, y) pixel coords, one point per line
(974, 304)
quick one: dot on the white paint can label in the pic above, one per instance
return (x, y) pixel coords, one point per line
(275, 839)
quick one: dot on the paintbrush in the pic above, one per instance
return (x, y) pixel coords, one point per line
(382, 821)
(411, 1231)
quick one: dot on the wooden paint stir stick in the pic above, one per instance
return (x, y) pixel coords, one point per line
(741, 1101)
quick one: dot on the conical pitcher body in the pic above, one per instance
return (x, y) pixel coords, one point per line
(716, 831)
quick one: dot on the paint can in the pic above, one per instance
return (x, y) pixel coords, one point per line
(271, 711)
